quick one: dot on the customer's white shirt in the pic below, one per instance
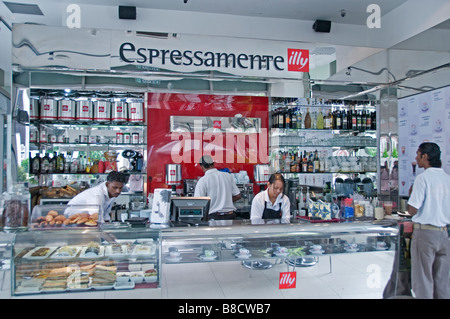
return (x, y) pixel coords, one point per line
(258, 205)
(431, 196)
(97, 195)
(220, 187)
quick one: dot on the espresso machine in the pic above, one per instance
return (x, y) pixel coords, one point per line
(135, 159)
(173, 177)
(189, 187)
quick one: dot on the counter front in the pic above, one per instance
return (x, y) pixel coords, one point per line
(60, 261)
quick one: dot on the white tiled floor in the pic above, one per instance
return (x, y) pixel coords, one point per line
(353, 276)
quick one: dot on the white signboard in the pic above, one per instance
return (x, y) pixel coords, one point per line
(422, 118)
(36, 46)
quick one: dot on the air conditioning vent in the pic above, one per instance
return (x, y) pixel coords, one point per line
(23, 8)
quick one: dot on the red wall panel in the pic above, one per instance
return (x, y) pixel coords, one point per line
(236, 157)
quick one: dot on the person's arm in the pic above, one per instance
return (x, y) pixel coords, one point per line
(412, 210)
(235, 190)
(256, 211)
(286, 210)
(417, 196)
(237, 197)
(200, 190)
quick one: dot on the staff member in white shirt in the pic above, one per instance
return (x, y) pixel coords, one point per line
(220, 187)
(429, 205)
(271, 205)
(103, 194)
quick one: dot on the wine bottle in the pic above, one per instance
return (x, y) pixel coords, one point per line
(307, 119)
(320, 120)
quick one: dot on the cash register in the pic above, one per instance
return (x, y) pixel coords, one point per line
(189, 211)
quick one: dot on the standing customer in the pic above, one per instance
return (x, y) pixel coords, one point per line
(429, 205)
(271, 205)
(220, 187)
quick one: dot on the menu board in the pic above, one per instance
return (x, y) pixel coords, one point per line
(423, 117)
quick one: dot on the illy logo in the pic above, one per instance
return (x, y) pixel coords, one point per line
(298, 60)
(287, 280)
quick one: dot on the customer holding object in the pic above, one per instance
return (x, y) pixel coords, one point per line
(429, 205)
(271, 205)
(220, 187)
(103, 194)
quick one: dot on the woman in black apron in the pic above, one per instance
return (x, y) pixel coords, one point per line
(271, 205)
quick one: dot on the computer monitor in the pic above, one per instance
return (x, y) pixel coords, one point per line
(189, 208)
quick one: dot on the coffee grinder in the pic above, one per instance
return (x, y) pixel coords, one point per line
(261, 173)
(173, 177)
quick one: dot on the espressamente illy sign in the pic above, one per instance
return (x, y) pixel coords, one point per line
(36, 46)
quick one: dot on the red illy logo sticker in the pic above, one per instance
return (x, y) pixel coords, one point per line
(298, 60)
(287, 280)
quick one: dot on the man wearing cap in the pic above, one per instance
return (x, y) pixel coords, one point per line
(220, 187)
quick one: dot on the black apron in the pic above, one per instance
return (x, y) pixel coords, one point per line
(269, 213)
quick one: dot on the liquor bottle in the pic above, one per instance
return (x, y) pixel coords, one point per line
(358, 121)
(374, 120)
(320, 119)
(326, 121)
(322, 164)
(52, 165)
(280, 118)
(331, 119)
(338, 118)
(316, 162)
(275, 118)
(304, 163)
(368, 120)
(307, 119)
(299, 118)
(68, 162)
(344, 120)
(293, 118)
(293, 163)
(287, 163)
(287, 118)
(354, 120)
(35, 164)
(310, 164)
(60, 161)
(299, 162)
(45, 163)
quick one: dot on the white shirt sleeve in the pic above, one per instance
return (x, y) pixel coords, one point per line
(257, 209)
(418, 193)
(286, 210)
(200, 189)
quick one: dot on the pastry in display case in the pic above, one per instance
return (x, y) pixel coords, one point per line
(66, 216)
(84, 260)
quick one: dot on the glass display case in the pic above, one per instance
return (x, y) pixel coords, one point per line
(241, 241)
(82, 260)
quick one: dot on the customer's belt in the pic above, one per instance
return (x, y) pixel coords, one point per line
(429, 227)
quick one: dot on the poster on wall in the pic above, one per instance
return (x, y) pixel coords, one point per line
(423, 117)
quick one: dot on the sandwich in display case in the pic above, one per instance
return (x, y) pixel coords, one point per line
(50, 261)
